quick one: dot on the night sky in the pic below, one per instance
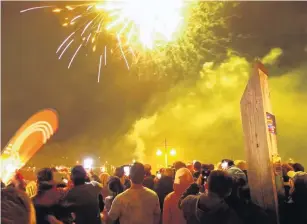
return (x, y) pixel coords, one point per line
(94, 116)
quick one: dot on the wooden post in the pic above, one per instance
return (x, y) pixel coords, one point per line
(259, 127)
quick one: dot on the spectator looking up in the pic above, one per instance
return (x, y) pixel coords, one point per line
(116, 188)
(178, 164)
(149, 179)
(298, 167)
(171, 212)
(48, 198)
(138, 204)
(211, 208)
(197, 170)
(164, 186)
(84, 199)
(296, 208)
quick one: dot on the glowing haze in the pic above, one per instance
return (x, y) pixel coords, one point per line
(202, 120)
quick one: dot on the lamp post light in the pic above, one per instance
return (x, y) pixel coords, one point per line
(172, 152)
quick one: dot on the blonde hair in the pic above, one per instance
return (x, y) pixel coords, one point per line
(104, 177)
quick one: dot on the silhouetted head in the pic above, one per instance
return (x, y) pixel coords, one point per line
(137, 173)
(220, 183)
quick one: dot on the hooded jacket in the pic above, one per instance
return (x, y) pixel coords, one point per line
(171, 212)
(86, 202)
(208, 209)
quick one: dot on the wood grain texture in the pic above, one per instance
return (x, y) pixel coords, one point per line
(260, 144)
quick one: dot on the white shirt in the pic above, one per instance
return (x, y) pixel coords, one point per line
(136, 206)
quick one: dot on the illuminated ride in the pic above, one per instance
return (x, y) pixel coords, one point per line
(32, 135)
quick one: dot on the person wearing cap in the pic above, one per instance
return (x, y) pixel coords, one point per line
(211, 208)
(138, 204)
(171, 212)
(239, 200)
(296, 208)
(85, 198)
(116, 188)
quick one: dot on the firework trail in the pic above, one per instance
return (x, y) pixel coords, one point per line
(34, 8)
(138, 26)
(99, 69)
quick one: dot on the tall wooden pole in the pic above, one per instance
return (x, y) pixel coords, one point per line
(259, 127)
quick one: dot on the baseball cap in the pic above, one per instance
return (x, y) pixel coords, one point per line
(236, 173)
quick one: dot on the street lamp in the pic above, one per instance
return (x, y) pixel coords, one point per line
(172, 152)
(159, 152)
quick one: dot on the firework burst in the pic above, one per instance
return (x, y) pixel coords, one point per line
(139, 27)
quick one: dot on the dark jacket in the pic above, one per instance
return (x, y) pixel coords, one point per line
(208, 209)
(294, 212)
(241, 203)
(163, 188)
(249, 212)
(47, 201)
(86, 202)
(149, 182)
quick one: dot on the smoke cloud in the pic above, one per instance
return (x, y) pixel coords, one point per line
(202, 120)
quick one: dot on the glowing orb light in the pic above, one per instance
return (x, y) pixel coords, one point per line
(88, 163)
(173, 152)
(159, 152)
(103, 169)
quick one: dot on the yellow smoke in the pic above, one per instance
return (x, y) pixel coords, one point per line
(203, 121)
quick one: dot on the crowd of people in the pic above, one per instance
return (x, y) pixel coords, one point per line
(193, 193)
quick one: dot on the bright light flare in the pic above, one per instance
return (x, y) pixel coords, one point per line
(173, 152)
(88, 163)
(127, 170)
(159, 152)
(103, 169)
(224, 165)
(142, 28)
(150, 23)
